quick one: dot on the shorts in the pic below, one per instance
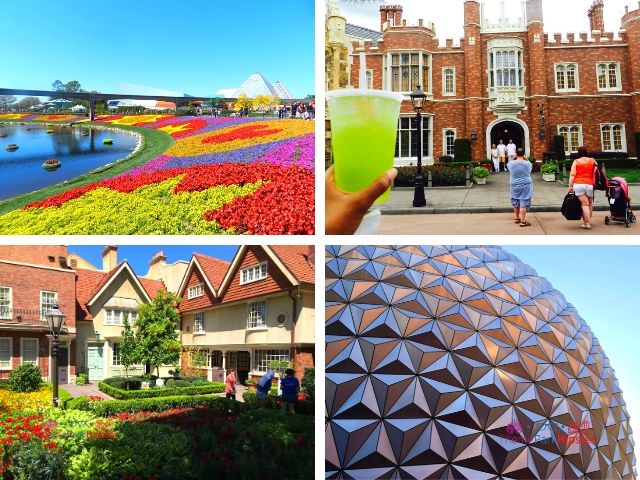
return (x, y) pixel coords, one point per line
(581, 189)
(501, 157)
(519, 203)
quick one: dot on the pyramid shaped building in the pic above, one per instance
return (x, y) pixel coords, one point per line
(257, 84)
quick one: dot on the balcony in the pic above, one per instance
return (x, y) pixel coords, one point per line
(21, 316)
(507, 99)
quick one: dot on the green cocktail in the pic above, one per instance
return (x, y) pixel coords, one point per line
(364, 125)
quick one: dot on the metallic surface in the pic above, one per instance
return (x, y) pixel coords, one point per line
(461, 362)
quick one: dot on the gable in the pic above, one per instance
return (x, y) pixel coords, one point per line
(196, 277)
(124, 286)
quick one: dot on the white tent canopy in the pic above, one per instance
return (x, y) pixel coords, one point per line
(78, 108)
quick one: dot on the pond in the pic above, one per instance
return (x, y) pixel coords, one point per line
(79, 150)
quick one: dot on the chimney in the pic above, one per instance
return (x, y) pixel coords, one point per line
(391, 15)
(596, 15)
(109, 258)
(534, 11)
(156, 264)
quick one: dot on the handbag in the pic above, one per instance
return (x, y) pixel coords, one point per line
(571, 207)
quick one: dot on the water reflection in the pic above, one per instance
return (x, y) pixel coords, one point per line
(21, 171)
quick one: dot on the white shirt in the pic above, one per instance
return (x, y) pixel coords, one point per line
(511, 148)
(501, 149)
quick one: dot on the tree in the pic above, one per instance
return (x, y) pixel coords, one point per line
(72, 86)
(57, 86)
(156, 334)
(27, 102)
(6, 101)
(262, 103)
(243, 102)
(129, 353)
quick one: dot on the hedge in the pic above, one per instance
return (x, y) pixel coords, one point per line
(304, 407)
(106, 408)
(213, 387)
(610, 162)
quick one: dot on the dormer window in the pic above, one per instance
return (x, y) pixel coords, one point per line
(195, 291)
(253, 273)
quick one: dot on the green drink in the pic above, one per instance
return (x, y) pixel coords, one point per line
(364, 125)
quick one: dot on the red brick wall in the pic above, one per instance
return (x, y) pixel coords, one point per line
(303, 358)
(43, 351)
(35, 254)
(197, 303)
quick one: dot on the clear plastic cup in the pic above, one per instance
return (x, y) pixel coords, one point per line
(364, 126)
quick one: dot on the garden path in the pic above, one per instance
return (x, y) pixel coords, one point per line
(85, 390)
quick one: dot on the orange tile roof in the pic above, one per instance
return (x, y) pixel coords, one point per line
(296, 259)
(214, 268)
(89, 282)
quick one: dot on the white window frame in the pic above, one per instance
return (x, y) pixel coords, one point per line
(623, 134)
(195, 291)
(216, 359)
(564, 66)
(369, 78)
(43, 311)
(198, 323)
(6, 304)
(445, 93)
(115, 317)
(444, 141)
(22, 341)
(424, 70)
(253, 273)
(116, 359)
(569, 143)
(427, 139)
(263, 357)
(497, 81)
(6, 364)
(609, 88)
(253, 316)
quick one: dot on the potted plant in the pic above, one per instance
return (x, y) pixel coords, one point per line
(480, 174)
(51, 164)
(549, 171)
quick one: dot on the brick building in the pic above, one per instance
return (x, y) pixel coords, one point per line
(506, 79)
(32, 279)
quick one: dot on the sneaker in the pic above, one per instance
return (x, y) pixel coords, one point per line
(585, 227)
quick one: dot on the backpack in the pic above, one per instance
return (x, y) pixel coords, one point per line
(599, 177)
(571, 207)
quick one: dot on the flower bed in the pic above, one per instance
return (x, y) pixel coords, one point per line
(51, 164)
(222, 175)
(118, 393)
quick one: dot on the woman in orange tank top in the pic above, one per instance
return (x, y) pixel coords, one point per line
(581, 182)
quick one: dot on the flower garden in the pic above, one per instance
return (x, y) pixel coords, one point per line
(178, 437)
(219, 176)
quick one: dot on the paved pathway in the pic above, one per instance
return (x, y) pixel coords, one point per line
(85, 390)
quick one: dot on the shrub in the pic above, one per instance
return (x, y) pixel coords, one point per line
(107, 408)
(64, 397)
(462, 149)
(603, 155)
(304, 407)
(445, 176)
(34, 461)
(407, 176)
(480, 172)
(183, 388)
(82, 379)
(78, 403)
(558, 147)
(309, 382)
(446, 159)
(550, 167)
(124, 383)
(25, 378)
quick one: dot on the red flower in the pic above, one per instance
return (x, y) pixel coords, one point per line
(241, 133)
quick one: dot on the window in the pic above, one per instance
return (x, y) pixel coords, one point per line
(613, 138)
(567, 77)
(116, 360)
(448, 81)
(216, 359)
(195, 291)
(505, 68)
(253, 273)
(198, 322)
(572, 137)
(5, 303)
(257, 315)
(609, 76)
(47, 301)
(407, 138)
(262, 358)
(403, 72)
(116, 317)
(369, 79)
(5, 353)
(29, 351)
(449, 141)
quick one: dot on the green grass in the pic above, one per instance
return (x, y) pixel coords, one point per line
(155, 143)
(631, 175)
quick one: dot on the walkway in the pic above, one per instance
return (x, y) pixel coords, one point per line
(85, 390)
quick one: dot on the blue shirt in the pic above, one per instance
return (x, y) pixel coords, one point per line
(289, 386)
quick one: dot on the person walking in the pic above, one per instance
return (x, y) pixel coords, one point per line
(494, 157)
(521, 187)
(230, 384)
(581, 183)
(502, 153)
(511, 153)
(290, 386)
(312, 110)
(264, 387)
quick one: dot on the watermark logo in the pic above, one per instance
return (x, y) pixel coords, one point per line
(551, 432)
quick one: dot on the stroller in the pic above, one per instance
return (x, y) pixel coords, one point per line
(619, 202)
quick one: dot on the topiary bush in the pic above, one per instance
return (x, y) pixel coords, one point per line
(309, 382)
(558, 147)
(25, 378)
(186, 389)
(124, 383)
(462, 150)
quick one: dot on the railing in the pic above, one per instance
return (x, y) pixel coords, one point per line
(21, 315)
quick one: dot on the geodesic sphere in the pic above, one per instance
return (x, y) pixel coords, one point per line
(461, 362)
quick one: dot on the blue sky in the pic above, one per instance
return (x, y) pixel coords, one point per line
(138, 256)
(194, 46)
(601, 282)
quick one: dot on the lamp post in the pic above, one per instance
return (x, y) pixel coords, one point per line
(417, 100)
(55, 320)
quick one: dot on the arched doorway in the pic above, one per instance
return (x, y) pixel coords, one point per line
(509, 130)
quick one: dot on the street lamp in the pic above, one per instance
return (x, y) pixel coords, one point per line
(55, 320)
(417, 100)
